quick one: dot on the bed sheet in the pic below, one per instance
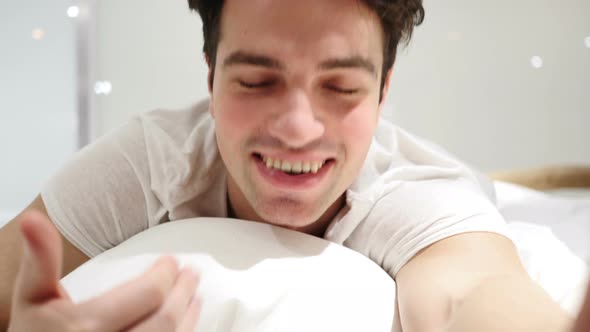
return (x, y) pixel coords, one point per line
(551, 231)
(566, 212)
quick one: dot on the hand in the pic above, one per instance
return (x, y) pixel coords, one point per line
(159, 300)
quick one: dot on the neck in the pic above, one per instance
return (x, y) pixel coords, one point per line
(317, 228)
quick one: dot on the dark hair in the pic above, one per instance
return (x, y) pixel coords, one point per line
(398, 18)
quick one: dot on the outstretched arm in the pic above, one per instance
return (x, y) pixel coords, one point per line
(474, 282)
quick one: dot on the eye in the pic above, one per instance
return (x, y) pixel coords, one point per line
(342, 91)
(255, 85)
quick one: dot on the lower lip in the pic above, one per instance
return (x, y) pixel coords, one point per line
(293, 182)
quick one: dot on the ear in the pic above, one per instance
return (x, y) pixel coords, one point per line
(210, 73)
(209, 85)
(211, 108)
(385, 88)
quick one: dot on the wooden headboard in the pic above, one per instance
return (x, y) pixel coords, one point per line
(547, 178)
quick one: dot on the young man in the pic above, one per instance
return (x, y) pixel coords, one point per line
(291, 136)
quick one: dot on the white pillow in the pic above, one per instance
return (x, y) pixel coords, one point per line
(254, 277)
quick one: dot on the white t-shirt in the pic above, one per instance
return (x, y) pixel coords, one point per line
(164, 166)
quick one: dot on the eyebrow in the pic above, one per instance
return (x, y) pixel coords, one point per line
(246, 58)
(350, 62)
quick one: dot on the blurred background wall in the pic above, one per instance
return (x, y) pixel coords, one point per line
(38, 121)
(502, 84)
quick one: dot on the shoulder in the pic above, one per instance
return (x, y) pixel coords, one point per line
(177, 123)
(399, 156)
(183, 159)
(175, 137)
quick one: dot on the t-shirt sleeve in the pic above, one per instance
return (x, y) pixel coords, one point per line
(101, 196)
(412, 215)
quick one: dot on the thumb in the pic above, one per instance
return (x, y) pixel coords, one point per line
(40, 269)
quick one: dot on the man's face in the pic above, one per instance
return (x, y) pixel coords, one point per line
(295, 101)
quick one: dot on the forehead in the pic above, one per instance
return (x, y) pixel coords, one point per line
(301, 29)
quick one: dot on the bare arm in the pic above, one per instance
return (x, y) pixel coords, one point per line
(11, 244)
(474, 282)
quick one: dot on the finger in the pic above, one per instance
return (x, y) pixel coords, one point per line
(171, 314)
(40, 269)
(191, 318)
(127, 304)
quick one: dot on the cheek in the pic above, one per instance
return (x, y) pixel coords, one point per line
(235, 121)
(357, 130)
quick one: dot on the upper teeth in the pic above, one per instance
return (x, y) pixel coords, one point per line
(294, 167)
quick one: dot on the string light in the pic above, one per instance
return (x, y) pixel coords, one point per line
(103, 88)
(73, 11)
(38, 34)
(537, 62)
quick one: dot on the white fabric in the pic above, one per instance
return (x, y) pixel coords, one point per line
(568, 217)
(164, 165)
(255, 277)
(552, 234)
(550, 263)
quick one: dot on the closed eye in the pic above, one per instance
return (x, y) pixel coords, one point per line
(343, 91)
(256, 85)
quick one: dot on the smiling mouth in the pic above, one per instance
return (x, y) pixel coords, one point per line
(303, 167)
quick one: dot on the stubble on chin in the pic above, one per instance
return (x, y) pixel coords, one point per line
(284, 211)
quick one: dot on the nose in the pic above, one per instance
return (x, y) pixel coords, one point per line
(295, 124)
